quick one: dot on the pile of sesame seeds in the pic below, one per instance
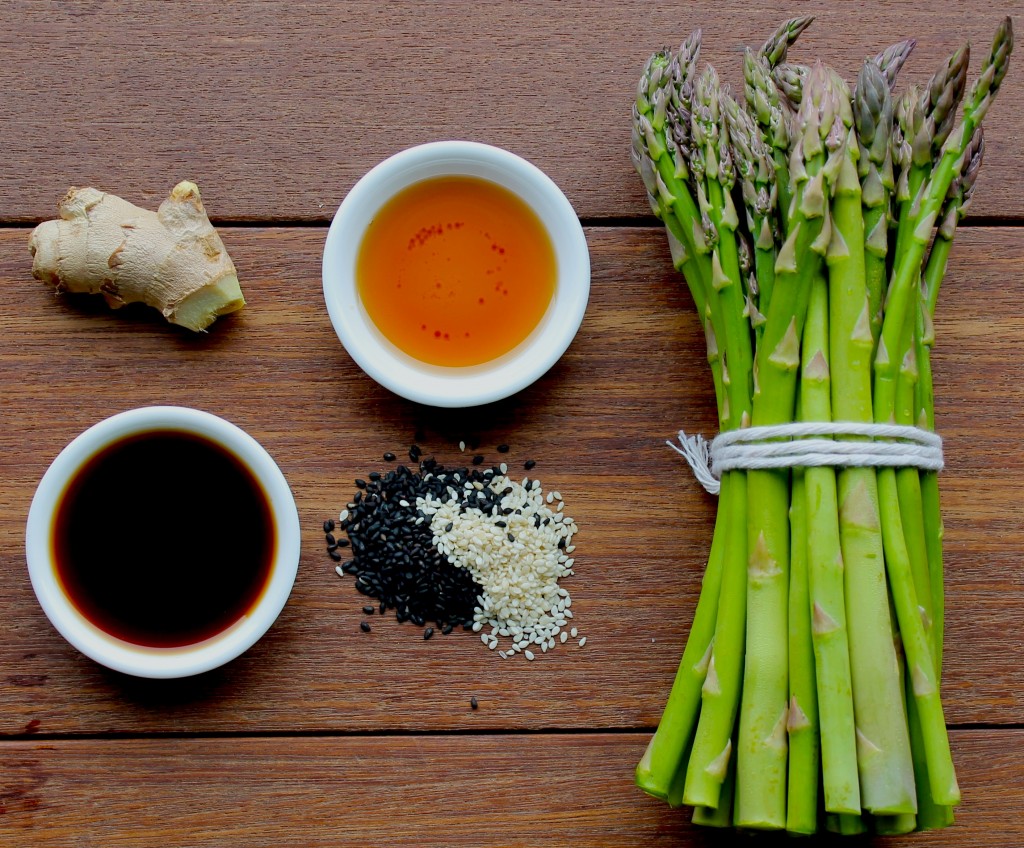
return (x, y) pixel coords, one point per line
(464, 546)
(517, 544)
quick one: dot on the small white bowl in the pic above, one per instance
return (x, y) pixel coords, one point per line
(469, 385)
(136, 659)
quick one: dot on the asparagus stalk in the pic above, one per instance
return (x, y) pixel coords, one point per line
(802, 723)
(830, 635)
(873, 115)
(883, 745)
(774, 50)
(762, 751)
(764, 104)
(891, 60)
(661, 113)
(757, 183)
(958, 201)
(713, 169)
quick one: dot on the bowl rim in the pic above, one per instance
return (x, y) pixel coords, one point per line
(474, 385)
(139, 660)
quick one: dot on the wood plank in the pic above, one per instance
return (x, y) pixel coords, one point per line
(597, 426)
(277, 108)
(510, 790)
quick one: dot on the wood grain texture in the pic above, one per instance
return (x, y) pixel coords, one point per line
(277, 108)
(596, 425)
(551, 790)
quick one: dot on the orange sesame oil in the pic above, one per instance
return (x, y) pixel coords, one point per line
(456, 271)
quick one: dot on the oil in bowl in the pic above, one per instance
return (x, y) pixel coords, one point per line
(456, 271)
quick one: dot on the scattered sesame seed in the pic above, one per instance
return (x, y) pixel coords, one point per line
(389, 457)
(462, 446)
(528, 654)
(529, 465)
(574, 633)
(563, 637)
(364, 626)
(583, 641)
(329, 525)
(502, 448)
(473, 703)
(343, 515)
(341, 573)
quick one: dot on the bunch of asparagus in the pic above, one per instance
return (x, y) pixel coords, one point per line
(812, 224)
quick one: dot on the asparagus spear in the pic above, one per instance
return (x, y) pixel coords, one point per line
(883, 746)
(764, 104)
(830, 634)
(761, 770)
(661, 112)
(891, 60)
(774, 50)
(713, 171)
(757, 183)
(873, 115)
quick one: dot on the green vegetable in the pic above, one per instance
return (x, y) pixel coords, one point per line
(794, 706)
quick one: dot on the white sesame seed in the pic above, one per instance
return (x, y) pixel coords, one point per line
(462, 446)
(583, 641)
(574, 633)
(343, 515)
(503, 655)
(503, 468)
(563, 637)
(528, 654)
(493, 644)
(403, 502)
(341, 573)
(478, 626)
(485, 638)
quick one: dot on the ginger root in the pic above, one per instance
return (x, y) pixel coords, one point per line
(171, 259)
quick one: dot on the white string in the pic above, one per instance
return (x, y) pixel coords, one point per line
(752, 448)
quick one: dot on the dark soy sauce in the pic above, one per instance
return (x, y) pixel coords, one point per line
(163, 539)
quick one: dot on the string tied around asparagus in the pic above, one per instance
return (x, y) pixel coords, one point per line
(802, 444)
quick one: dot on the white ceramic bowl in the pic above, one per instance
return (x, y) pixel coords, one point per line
(136, 659)
(470, 385)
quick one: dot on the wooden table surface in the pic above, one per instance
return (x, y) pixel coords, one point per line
(322, 735)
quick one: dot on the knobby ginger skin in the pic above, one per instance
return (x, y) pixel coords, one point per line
(171, 259)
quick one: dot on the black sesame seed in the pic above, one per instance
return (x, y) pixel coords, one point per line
(364, 626)
(368, 610)
(561, 542)
(374, 476)
(473, 703)
(448, 628)
(332, 548)
(334, 555)
(502, 448)
(389, 457)
(360, 484)
(511, 538)
(478, 459)
(331, 540)
(342, 543)
(529, 465)
(329, 525)
(428, 633)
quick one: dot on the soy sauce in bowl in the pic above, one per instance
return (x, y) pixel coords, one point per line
(163, 539)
